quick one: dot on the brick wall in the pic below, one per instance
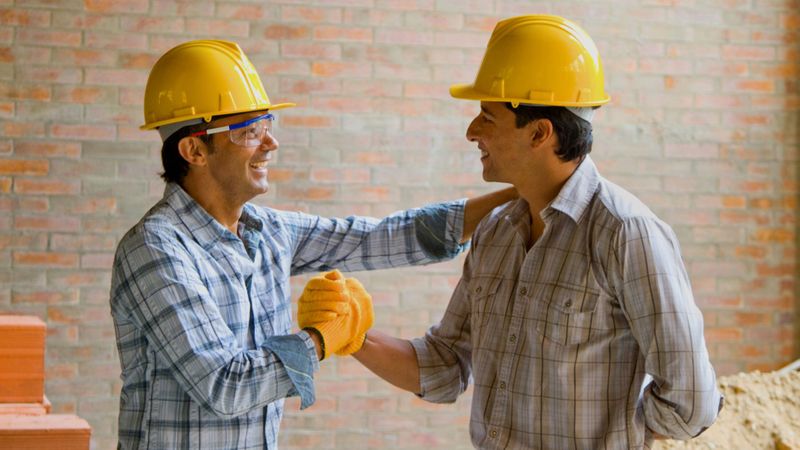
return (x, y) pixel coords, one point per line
(703, 126)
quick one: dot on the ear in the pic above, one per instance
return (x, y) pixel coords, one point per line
(193, 150)
(541, 131)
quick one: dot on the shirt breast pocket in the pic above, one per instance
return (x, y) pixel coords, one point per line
(565, 316)
(483, 293)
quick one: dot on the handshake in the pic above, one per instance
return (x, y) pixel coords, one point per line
(339, 310)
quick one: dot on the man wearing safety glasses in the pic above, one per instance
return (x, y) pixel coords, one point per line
(200, 287)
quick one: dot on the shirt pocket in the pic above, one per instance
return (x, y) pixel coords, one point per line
(565, 316)
(483, 295)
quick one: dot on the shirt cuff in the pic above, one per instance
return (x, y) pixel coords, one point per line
(439, 228)
(298, 354)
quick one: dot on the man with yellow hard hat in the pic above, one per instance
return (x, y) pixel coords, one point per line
(200, 286)
(574, 316)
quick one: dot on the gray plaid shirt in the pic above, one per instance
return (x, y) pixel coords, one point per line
(582, 342)
(203, 318)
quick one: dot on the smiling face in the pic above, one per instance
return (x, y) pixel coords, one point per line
(505, 149)
(238, 171)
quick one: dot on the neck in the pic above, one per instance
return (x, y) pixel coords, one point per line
(541, 190)
(226, 211)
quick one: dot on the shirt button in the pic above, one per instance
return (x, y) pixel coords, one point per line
(568, 303)
(493, 433)
(523, 291)
(502, 385)
(512, 338)
(478, 289)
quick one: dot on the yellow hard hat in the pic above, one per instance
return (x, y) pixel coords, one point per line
(541, 60)
(201, 79)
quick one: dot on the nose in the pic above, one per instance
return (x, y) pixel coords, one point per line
(269, 142)
(472, 130)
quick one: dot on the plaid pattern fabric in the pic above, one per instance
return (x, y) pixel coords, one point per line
(203, 318)
(582, 342)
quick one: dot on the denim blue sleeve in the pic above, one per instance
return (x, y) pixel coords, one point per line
(432, 229)
(299, 357)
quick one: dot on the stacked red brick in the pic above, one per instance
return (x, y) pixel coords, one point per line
(25, 419)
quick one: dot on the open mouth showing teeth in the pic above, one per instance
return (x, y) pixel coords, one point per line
(259, 165)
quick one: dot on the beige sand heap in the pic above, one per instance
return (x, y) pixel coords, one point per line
(762, 411)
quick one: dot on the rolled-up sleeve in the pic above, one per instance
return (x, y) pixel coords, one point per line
(412, 237)
(444, 354)
(682, 400)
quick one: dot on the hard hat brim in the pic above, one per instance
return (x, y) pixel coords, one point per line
(468, 92)
(207, 117)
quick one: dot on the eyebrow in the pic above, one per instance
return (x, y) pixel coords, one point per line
(486, 112)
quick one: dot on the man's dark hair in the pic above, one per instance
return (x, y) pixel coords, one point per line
(574, 134)
(175, 167)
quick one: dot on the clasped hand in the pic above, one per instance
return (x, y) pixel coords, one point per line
(339, 308)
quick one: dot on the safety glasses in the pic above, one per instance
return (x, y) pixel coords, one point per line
(249, 133)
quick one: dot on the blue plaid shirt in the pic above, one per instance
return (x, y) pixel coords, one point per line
(203, 317)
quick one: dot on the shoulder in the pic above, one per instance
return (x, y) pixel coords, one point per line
(621, 204)
(625, 216)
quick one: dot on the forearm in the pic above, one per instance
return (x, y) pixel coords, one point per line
(392, 359)
(478, 207)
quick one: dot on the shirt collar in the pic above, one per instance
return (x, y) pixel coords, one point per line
(574, 197)
(205, 229)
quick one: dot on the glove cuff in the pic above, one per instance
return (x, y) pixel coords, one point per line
(320, 337)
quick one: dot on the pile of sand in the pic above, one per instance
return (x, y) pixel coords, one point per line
(762, 411)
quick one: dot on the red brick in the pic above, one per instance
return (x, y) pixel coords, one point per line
(302, 86)
(285, 67)
(290, 13)
(45, 259)
(774, 235)
(24, 92)
(85, 94)
(23, 167)
(116, 6)
(46, 187)
(52, 38)
(342, 104)
(292, 49)
(49, 223)
(45, 297)
(50, 75)
(24, 18)
(762, 86)
(309, 194)
(23, 129)
(775, 270)
(137, 60)
(286, 32)
(49, 149)
(330, 69)
(86, 132)
(349, 176)
(723, 335)
(308, 121)
(339, 34)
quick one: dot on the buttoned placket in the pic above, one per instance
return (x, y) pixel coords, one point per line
(522, 295)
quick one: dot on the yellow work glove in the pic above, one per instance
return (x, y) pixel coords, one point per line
(325, 305)
(360, 298)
